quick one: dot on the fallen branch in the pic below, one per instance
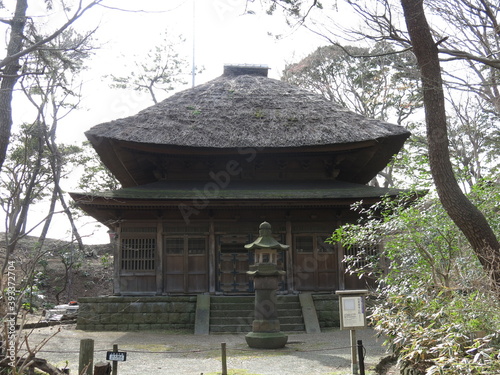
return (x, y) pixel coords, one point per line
(34, 362)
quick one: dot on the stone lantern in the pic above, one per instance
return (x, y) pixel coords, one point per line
(266, 332)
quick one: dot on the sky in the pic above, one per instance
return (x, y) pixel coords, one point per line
(217, 32)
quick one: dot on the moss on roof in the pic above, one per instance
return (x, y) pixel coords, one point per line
(246, 111)
(252, 190)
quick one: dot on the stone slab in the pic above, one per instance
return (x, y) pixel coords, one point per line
(202, 316)
(309, 313)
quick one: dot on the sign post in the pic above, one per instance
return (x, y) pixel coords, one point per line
(352, 317)
(116, 357)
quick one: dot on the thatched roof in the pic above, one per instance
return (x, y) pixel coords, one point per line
(245, 111)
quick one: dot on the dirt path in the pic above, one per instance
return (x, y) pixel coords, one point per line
(173, 353)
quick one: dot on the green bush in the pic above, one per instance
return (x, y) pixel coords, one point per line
(435, 305)
(446, 332)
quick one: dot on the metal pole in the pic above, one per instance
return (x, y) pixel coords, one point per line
(354, 359)
(193, 67)
(361, 358)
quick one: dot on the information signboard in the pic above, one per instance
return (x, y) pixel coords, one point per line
(116, 356)
(352, 308)
(352, 312)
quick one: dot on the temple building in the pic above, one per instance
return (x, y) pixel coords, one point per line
(202, 169)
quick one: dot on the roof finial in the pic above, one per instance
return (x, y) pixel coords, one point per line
(246, 69)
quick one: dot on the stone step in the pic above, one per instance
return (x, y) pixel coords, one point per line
(290, 312)
(248, 320)
(222, 313)
(230, 313)
(231, 306)
(251, 299)
(232, 299)
(250, 306)
(236, 313)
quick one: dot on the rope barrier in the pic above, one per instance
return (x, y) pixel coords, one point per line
(199, 350)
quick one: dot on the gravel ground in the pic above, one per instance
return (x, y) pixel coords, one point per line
(161, 352)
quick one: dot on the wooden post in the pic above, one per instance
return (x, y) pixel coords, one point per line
(86, 357)
(224, 362)
(212, 256)
(354, 358)
(102, 368)
(289, 258)
(115, 363)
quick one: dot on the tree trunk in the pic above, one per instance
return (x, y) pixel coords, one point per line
(465, 215)
(9, 76)
(13, 237)
(56, 161)
(102, 368)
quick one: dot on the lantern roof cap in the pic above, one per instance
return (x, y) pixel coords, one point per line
(266, 239)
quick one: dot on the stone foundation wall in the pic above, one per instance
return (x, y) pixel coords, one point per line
(327, 309)
(117, 313)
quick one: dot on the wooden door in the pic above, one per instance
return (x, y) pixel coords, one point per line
(315, 263)
(233, 264)
(186, 264)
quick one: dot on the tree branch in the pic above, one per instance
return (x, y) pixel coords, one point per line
(79, 12)
(494, 63)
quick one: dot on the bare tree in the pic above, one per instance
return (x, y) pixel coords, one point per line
(474, 37)
(381, 19)
(465, 215)
(385, 87)
(162, 69)
(54, 95)
(42, 160)
(23, 41)
(22, 170)
(474, 143)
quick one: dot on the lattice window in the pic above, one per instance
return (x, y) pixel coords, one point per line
(138, 254)
(174, 245)
(196, 246)
(139, 229)
(304, 244)
(181, 245)
(181, 228)
(361, 256)
(311, 243)
(322, 246)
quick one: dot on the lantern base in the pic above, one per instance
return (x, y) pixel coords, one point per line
(266, 340)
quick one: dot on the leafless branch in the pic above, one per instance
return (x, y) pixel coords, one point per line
(457, 54)
(78, 13)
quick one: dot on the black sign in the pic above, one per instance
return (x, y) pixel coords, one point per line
(116, 356)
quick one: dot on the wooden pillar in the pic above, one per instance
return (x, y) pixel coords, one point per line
(212, 266)
(289, 257)
(159, 258)
(341, 267)
(117, 260)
